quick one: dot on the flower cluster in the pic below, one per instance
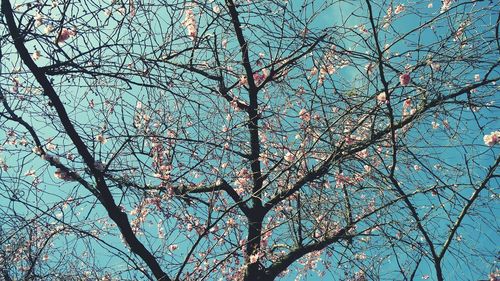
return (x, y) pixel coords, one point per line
(492, 139)
(65, 35)
(242, 179)
(100, 138)
(404, 79)
(304, 115)
(494, 276)
(445, 6)
(382, 97)
(190, 23)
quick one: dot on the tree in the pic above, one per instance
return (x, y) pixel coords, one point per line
(249, 140)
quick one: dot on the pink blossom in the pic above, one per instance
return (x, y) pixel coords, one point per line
(36, 55)
(369, 68)
(265, 72)
(400, 8)
(407, 103)
(37, 150)
(60, 174)
(362, 28)
(313, 71)
(435, 66)
(243, 80)
(48, 29)
(494, 276)
(327, 69)
(363, 154)
(50, 146)
(4, 166)
(445, 5)
(100, 138)
(492, 139)
(259, 78)
(382, 97)
(289, 157)
(132, 8)
(243, 177)
(234, 104)
(404, 79)
(446, 124)
(304, 115)
(216, 9)
(30, 173)
(367, 168)
(38, 19)
(190, 23)
(231, 222)
(254, 258)
(65, 35)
